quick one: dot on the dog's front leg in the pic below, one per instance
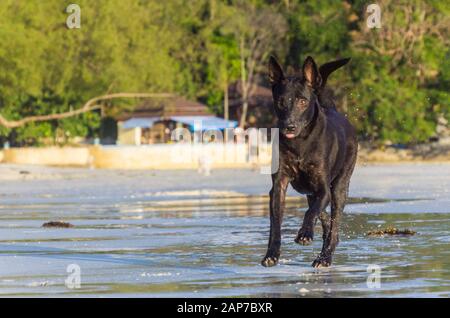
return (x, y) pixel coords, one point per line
(321, 199)
(277, 197)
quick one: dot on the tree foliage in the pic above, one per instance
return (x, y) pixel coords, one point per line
(394, 88)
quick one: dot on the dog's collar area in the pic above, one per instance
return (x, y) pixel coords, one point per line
(307, 129)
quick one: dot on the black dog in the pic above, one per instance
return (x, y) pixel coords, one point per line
(317, 154)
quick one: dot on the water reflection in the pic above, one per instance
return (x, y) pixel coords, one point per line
(205, 245)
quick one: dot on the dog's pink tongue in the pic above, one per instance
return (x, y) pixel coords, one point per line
(290, 136)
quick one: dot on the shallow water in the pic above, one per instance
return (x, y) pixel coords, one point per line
(150, 234)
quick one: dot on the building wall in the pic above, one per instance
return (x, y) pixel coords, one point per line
(54, 156)
(128, 136)
(140, 136)
(176, 156)
(158, 156)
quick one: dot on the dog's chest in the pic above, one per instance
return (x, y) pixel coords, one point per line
(303, 175)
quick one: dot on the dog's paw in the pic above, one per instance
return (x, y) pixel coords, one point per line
(322, 261)
(305, 236)
(269, 261)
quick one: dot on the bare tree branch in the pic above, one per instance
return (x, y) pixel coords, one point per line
(255, 42)
(91, 104)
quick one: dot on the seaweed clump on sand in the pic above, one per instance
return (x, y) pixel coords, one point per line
(391, 231)
(57, 224)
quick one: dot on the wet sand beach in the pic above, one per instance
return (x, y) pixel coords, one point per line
(180, 234)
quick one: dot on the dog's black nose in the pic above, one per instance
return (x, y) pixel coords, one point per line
(290, 127)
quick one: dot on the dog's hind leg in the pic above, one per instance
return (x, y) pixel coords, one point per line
(317, 204)
(330, 242)
(325, 220)
(323, 217)
(339, 195)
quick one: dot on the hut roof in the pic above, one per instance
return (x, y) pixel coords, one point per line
(167, 107)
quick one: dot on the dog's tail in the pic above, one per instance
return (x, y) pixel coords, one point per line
(326, 69)
(326, 95)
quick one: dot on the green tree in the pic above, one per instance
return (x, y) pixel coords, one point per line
(399, 71)
(47, 68)
(394, 88)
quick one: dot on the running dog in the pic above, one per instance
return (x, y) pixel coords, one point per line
(317, 155)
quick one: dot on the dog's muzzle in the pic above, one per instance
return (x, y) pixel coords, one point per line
(290, 131)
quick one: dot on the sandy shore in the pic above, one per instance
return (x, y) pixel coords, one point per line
(391, 181)
(178, 233)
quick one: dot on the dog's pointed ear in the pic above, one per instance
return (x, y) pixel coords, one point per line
(276, 74)
(326, 69)
(311, 73)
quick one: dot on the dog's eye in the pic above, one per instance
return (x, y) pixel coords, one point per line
(302, 102)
